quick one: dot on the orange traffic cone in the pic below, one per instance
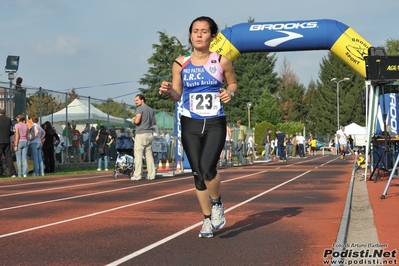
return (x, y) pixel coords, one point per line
(160, 166)
(167, 166)
(178, 167)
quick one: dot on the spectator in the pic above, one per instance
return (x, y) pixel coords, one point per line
(267, 143)
(294, 143)
(144, 121)
(225, 157)
(350, 144)
(240, 142)
(128, 132)
(93, 135)
(288, 146)
(6, 131)
(122, 132)
(112, 133)
(85, 136)
(251, 148)
(50, 140)
(59, 149)
(37, 134)
(67, 135)
(21, 145)
(167, 136)
(301, 145)
(313, 145)
(76, 144)
(336, 143)
(332, 146)
(281, 145)
(103, 139)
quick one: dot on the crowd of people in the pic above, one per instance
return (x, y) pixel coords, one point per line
(282, 146)
(44, 146)
(296, 145)
(36, 148)
(25, 138)
(286, 145)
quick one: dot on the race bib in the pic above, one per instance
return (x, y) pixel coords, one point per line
(205, 104)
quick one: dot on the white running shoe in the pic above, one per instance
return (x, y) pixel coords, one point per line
(206, 231)
(217, 216)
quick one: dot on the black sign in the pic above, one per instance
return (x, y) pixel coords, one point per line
(382, 68)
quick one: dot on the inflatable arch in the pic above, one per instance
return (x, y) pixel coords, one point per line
(287, 36)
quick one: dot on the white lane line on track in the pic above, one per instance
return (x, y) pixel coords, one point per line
(87, 195)
(117, 208)
(295, 162)
(51, 181)
(334, 159)
(54, 188)
(92, 214)
(166, 239)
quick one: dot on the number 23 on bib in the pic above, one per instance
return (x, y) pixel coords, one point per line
(205, 104)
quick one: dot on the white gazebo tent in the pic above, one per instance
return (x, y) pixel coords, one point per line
(82, 112)
(358, 133)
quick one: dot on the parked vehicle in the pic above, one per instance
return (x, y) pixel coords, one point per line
(320, 143)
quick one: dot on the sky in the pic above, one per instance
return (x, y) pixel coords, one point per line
(89, 44)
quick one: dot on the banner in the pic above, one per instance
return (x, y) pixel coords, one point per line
(287, 36)
(391, 104)
(180, 154)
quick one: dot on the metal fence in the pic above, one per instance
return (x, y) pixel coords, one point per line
(88, 113)
(62, 107)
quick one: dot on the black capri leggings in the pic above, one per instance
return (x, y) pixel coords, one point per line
(203, 141)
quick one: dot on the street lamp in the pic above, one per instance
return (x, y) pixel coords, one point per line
(11, 68)
(12, 63)
(249, 105)
(338, 81)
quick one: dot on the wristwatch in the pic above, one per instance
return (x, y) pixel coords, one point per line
(231, 93)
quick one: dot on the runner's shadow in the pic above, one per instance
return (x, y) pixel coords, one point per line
(259, 219)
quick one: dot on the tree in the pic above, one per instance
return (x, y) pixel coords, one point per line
(290, 127)
(255, 75)
(43, 103)
(349, 95)
(267, 108)
(312, 105)
(290, 94)
(392, 46)
(115, 109)
(161, 69)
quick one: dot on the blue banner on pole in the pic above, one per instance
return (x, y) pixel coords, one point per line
(388, 107)
(180, 154)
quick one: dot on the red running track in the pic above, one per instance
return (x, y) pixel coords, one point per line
(386, 214)
(283, 213)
